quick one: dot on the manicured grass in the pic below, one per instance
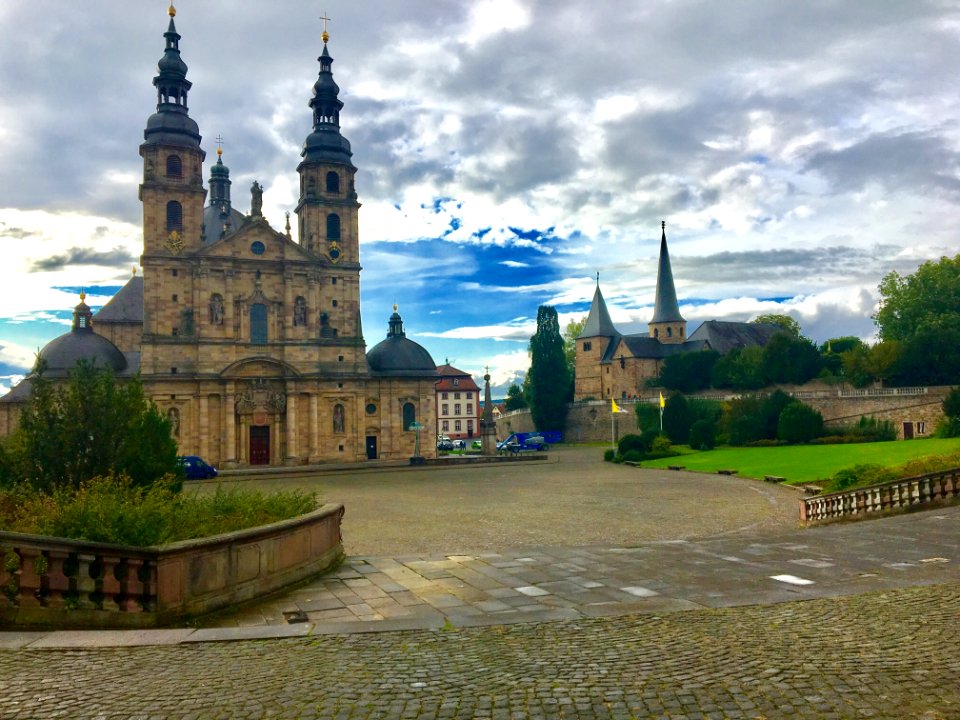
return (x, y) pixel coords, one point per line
(805, 463)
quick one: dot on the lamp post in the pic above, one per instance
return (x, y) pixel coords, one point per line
(417, 459)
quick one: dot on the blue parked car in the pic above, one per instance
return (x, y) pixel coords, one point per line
(194, 468)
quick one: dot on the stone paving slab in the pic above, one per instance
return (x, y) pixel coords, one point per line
(742, 569)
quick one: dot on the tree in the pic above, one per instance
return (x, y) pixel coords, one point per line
(927, 299)
(799, 423)
(950, 426)
(570, 334)
(786, 322)
(831, 353)
(549, 376)
(91, 426)
(677, 418)
(739, 369)
(688, 372)
(515, 399)
(789, 359)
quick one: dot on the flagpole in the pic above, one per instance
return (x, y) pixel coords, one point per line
(613, 432)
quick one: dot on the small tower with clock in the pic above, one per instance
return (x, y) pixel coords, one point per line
(327, 209)
(172, 191)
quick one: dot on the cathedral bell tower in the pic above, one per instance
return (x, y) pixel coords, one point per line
(327, 209)
(667, 325)
(172, 190)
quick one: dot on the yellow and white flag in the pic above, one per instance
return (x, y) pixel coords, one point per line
(663, 403)
(614, 407)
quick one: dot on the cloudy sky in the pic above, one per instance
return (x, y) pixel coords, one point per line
(508, 150)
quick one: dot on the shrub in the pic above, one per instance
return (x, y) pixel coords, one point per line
(677, 418)
(661, 448)
(631, 442)
(649, 436)
(765, 443)
(632, 456)
(113, 509)
(799, 423)
(608, 455)
(703, 435)
(859, 476)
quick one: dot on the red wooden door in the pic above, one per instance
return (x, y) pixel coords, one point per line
(259, 444)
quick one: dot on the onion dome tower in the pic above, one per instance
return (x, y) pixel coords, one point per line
(667, 325)
(219, 217)
(327, 209)
(172, 190)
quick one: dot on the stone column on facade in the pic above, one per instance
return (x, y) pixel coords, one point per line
(291, 458)
(229, 321)
(203, 427)
(228, 437)
(313, 304)
(242, 441)
(314, 427)
(276, 449)
(285, 330)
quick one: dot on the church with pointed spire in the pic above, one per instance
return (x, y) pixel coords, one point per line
(610, 365)
(247, 338)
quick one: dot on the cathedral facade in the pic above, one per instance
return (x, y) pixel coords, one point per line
(249, 339)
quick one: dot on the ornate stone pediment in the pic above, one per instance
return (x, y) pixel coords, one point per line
(261, 395)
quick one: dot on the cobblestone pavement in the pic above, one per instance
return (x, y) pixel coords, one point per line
(571, 499)
(892, 654)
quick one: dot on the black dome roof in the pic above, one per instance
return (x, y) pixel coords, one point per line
(398, 355)
(81, 343)
(62, 353)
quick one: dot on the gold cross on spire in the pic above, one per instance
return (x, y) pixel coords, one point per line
(325, 36)
(219, 145)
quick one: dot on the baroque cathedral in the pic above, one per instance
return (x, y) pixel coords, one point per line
(249, 340)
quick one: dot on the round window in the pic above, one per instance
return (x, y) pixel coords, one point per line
(371, 408)
(258, 248)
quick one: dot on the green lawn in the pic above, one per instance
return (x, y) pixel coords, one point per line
(805, 463)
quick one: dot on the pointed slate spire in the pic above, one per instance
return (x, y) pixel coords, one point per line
(171, 124)
(325, 143)
(665, 307)
(598, 322)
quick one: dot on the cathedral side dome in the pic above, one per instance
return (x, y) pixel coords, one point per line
(398, 355)
(63, 353)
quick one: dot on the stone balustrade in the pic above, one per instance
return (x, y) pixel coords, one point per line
(47, 581)
(906, 493)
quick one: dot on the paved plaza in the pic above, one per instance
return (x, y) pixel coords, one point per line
(679, 616)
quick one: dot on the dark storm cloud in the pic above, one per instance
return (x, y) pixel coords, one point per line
(792, 267)
(82, 256)
(913, 161)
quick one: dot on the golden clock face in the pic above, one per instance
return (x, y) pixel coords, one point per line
(174, 242)
(334, 253)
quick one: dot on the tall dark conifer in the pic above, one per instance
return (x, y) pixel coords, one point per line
(549, 374)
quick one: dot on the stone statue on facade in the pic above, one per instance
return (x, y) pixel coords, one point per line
(256, 199)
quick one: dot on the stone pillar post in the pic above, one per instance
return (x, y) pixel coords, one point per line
(488, 426)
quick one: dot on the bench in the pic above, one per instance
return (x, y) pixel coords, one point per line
(726, 472)
(676, 467)
(774, 479)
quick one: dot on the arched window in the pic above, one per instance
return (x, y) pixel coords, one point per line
(669, 331)
(174, 166)
(174, 216)
(333, 182)
(333, 227)
(258, 324)
(409, 415)
(656, 332)
(338, 418)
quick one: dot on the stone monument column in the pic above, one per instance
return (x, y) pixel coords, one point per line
(488, 427)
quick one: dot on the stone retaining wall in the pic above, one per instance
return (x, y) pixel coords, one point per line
(899, 494)
(920, 407)
(66, 583)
